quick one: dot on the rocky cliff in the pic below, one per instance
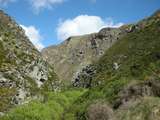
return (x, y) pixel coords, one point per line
(23, 72)
(70, 57)
(84, 77)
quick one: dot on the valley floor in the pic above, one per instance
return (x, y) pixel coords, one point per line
(51, 107)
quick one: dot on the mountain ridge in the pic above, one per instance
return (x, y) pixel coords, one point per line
(77, 52)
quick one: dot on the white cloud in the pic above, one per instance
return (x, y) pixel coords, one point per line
(83, 24)
(41, 4)
(34, 35)
(6, 2)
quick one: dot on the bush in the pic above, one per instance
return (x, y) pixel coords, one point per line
(51, 108)
(99, 111)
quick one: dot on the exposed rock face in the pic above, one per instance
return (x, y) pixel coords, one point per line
(75, 53)
(22, 69)
(84, 77)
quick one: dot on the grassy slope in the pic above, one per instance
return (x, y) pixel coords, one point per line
(138, 55)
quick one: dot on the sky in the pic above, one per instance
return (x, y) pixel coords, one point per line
(50, 22)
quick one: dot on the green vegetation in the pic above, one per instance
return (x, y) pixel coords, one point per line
(51, 107)
(138, 57)
(2, 54)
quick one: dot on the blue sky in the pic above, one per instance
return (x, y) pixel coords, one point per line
(49, 22)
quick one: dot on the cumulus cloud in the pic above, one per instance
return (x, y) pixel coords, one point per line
(6, 2)
(83, 24)
(41, 4)
(34, 35)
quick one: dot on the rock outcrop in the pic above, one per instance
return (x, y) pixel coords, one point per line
(23, 72)
(135, 91)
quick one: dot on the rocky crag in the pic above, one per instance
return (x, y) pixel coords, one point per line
(23, 72)
(84, 77)
(77, 52)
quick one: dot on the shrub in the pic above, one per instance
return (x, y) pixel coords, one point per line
(99, 111)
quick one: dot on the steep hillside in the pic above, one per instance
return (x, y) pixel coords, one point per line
(75, 53)
(23, 72)
(126, 84)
